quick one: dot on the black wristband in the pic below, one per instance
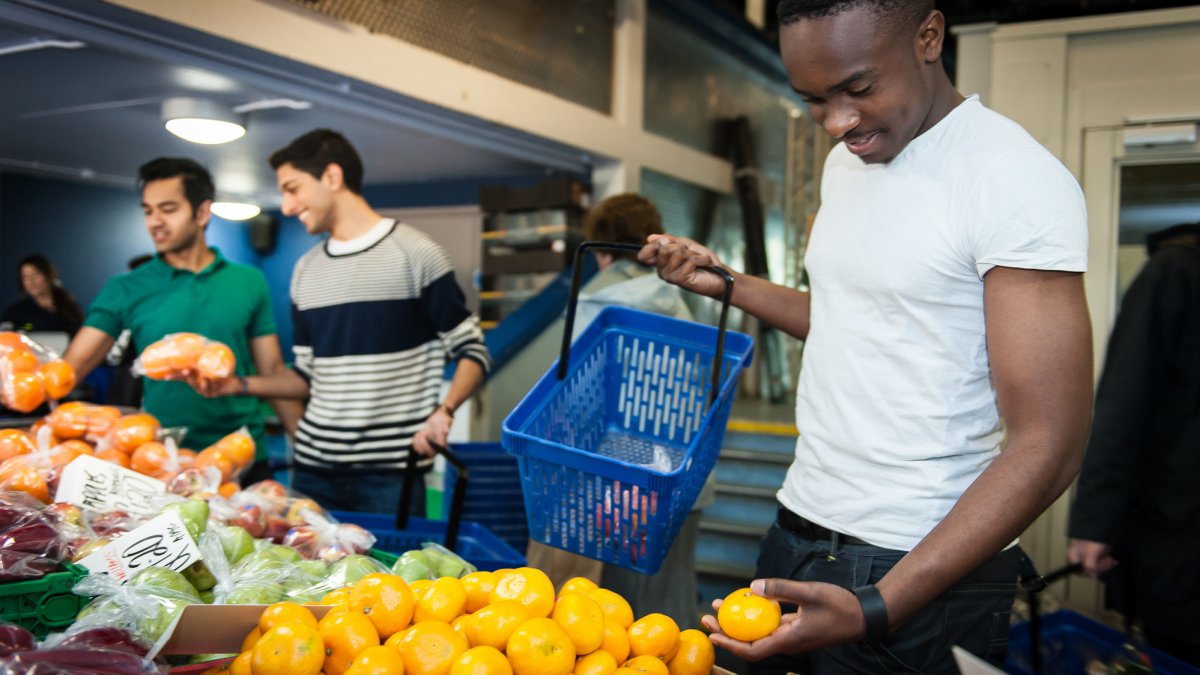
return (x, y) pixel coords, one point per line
(874, 611)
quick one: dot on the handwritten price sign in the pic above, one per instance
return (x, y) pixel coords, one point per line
(97, 485)
(162, 542)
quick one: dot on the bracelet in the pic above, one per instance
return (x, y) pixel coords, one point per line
(874, 612)
(245, 385)
(448, 409)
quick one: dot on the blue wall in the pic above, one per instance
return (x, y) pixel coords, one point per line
(90, 232)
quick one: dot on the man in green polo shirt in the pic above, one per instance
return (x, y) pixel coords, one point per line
(188, 287)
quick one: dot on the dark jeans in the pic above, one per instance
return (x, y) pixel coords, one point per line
(973, 614)
(366, 492)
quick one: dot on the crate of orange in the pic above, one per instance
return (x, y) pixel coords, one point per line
(182, 355)
(30, 374)
(615, 442)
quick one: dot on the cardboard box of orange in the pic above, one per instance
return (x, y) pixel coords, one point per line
(220, 629)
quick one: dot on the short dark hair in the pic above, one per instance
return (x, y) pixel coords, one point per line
(626, 219)
(197, 182)
(891, 13)
(319, 148)
(1182, 231)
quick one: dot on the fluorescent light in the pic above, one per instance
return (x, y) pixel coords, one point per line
(235, 210)
(202, 121)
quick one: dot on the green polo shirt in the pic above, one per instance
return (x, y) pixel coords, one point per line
(225, 301)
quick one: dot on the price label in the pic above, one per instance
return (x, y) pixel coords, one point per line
(162, 542)
(97, 485)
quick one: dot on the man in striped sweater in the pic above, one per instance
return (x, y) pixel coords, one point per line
(376, 313)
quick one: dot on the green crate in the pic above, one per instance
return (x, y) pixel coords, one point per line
(43, 605)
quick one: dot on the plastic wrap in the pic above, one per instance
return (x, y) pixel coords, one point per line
(184, 355)
(30, 544)
(231, 455)
(88, 650)
(323, 538)
(146, 606)
(431, 562)
(30, 374)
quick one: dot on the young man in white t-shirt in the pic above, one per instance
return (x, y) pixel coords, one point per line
(946, 389)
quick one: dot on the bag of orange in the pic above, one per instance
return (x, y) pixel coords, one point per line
(30, 374)
(36, 473)
(231, 455)
(76, 419)
(180, 355)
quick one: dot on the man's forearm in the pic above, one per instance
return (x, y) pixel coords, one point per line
(468, 375)
(283, 384)
(1010, 494)
(784, 308)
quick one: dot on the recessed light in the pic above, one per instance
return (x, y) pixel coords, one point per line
(201, 121)
(235, 210)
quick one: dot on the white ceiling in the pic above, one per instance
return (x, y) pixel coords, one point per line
(94, 113)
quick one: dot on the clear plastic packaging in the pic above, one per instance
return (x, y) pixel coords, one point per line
(88, 650)
(146, 606)
(30, 544)
(31, 374)
(181, 356)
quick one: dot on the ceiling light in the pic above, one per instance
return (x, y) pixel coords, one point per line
(201, 121)
(235, 210)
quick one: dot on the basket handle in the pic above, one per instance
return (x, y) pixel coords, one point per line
(577, 278)
(460, 493)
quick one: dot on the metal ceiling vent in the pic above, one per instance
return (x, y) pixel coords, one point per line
(562, 48)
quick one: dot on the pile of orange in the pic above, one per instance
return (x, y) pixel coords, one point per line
(508, 622)
(182, 354)
(25, 381)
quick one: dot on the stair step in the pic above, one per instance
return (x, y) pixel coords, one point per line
(747, 490)
(734, 528)
(757, 508)
(755, 456)
(773, 443)
(723, 549)
(750, 473)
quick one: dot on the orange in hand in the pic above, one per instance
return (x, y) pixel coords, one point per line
(18, 361)
(748, 617)
(216, 362)
(58, 377)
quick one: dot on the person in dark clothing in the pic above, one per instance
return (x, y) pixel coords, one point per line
(1135, 522)
(47, 306)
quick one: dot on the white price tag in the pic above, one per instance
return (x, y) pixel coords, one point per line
(162, 542)
(97, 485)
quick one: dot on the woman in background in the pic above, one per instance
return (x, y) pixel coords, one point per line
(47, 306)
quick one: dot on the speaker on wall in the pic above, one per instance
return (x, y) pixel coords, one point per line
(264, 230)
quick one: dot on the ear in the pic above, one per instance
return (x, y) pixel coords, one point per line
(332, 177)
(930, 36)
(203, 213)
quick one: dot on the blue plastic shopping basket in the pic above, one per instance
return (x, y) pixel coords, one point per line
(397, 534)
(616, 440)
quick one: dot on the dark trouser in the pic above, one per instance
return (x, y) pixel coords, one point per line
(260, 470)
(365, 492)
(973, 614)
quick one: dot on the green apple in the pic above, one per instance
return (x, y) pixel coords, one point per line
(194, 513)
(258, 593)
(447, 563)
(207, 597)
(161, 577)
(312, 570)
(412, 568)
(199, 576)
(285, 553)
(236, 542)
(348, 570)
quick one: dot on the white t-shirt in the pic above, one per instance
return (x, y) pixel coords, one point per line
(895, 404)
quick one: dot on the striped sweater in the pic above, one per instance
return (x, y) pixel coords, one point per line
(373, 332)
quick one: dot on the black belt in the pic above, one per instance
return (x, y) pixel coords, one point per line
(810, 530)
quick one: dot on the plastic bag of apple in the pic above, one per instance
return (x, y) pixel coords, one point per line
(30, 374)
(99, 650)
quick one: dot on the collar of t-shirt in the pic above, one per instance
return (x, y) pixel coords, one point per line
(362, 242)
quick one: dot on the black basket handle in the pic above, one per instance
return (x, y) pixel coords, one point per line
(577, 278)
(460, 493)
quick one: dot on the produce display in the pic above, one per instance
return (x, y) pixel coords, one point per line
(30, 374)
(136, 552)
(508, 622)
